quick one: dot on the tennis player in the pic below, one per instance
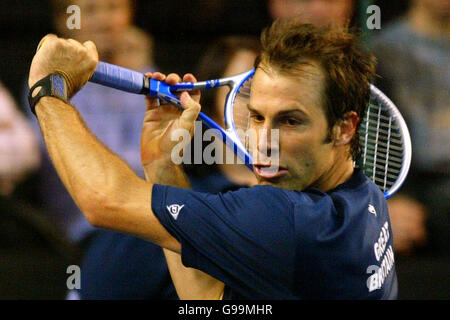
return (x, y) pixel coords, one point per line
(314, 228)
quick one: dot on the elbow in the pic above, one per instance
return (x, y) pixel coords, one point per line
(110, 205)
(93, 218)
(94, 206)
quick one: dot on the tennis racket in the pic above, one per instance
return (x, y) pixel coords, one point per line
(384, 136)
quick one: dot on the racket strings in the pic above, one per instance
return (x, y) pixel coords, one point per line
(241, 115)
(381, 146)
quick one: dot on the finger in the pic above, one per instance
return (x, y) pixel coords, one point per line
(190, 112)
(173, 78)
(189, 77)
(152, 102)
(47, 37)
(195, 94)
(158, 76)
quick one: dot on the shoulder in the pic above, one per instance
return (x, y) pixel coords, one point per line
(258, 203)
(264, 194)
(333, 212)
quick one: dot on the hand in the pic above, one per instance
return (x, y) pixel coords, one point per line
(160, 122)
(76, 61)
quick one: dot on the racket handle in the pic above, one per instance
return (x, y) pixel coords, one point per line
(120, 78)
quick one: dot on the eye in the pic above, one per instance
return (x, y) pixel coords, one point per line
(290, 121)
(256, 117)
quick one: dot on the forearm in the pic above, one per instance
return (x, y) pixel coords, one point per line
(83, 164)
(103, 186)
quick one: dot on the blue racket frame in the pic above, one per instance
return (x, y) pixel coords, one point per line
(135, 82)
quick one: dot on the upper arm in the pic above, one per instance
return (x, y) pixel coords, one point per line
(190, 283)
(125, 206)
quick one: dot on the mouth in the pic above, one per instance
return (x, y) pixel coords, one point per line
(269, 172)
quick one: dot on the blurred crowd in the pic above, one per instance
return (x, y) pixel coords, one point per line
(41, 229)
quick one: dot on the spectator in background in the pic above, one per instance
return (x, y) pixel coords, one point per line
(115, 117)
(115, 265)
(317, 12)
(19, 152)
(414, 64)
(110, 25)
(29, 247)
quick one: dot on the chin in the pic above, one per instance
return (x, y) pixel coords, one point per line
(278, 184)
(282, 184)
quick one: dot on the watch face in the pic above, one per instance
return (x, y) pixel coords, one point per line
(59, 86)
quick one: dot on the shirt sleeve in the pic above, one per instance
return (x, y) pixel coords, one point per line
(245, 238)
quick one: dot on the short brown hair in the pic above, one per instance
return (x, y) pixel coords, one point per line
(289, 44)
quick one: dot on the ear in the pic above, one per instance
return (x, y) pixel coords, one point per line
(345, 129)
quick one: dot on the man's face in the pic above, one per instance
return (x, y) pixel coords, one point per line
(293, 106)
(104, 22)
(440, 9)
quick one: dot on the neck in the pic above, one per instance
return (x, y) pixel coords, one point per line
(339, 173)
(423, 21)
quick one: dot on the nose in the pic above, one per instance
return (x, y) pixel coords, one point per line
(264, 143)
(267, 144)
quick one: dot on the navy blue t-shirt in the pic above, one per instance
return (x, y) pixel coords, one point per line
(268, 243)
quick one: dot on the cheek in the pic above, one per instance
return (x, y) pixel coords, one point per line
(296, 148)
(120, 20)
(305, 152)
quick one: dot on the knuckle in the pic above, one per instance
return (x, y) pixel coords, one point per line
(92, 63)
(196, 106)
(56, 43)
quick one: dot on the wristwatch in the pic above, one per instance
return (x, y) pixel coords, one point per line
(53, 85)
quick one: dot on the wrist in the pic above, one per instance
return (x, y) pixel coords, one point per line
(53, 85)
(164, 171)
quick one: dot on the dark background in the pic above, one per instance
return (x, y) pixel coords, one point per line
(181, 29)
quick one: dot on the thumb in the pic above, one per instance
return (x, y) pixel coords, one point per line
(190, 112)
(48, 36)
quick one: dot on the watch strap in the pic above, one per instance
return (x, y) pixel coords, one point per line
(53, 85)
